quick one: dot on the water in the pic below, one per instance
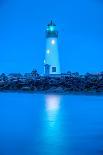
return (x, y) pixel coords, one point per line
(34, 124)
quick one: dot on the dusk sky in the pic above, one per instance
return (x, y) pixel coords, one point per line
(22, 34)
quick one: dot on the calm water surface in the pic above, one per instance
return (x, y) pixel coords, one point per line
(34, 124)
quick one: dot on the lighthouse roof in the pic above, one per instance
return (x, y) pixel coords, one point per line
(51, 23)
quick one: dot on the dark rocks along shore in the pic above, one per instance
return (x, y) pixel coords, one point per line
(64, 83)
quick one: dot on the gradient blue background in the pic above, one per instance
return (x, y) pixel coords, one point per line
(22, 34)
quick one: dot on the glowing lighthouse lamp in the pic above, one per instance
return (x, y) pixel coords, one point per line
(51, 62)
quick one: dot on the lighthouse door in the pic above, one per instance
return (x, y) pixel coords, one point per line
(47, 69)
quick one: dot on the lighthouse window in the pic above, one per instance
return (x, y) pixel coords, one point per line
(53, 69)
(53, 42)
(51, 28)
(48, 51)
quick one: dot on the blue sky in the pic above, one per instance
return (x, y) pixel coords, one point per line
(22, 34)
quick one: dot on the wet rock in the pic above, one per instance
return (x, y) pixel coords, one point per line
(70, 82)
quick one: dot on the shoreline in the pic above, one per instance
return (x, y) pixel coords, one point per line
(54, 93)
(63, 84)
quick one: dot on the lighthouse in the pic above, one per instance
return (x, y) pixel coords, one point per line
(51, 61)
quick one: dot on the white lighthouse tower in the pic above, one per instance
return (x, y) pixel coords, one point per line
(51, 62)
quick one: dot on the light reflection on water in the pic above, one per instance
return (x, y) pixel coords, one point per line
(52, 124)
(52, 109)
(32, 124)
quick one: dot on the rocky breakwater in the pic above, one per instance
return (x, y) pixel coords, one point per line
(64, 83)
